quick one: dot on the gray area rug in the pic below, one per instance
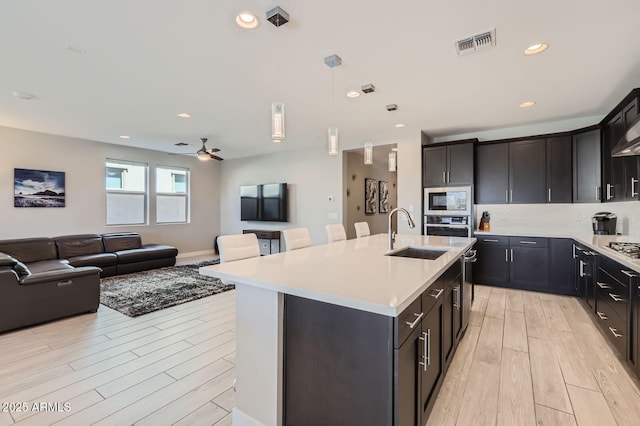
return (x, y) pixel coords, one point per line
(143, 292)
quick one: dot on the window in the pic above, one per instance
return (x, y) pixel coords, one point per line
(126, 186)
(172, 194)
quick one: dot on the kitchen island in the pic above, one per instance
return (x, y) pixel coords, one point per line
(321, 330)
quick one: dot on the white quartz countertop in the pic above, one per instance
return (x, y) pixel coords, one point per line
(353, 273)
(597, 243)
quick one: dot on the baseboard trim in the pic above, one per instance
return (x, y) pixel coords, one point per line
(196, 253)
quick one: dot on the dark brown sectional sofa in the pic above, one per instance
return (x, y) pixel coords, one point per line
(42, 279)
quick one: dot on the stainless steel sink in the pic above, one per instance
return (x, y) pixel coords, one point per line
(418, 253)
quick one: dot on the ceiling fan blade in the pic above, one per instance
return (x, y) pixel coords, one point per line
(212, 150)
(215, 157)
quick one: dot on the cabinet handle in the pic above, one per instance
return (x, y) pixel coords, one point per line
(597, 193)
(444, 177)
(506, 195)
(417, 320)
(489, 241)
(456, 302)
(609, 196)
(528, 242)
(616, 298)
(426, 338)
(549, 190)
(601, 315)
(574, 251)
(448, 176)
(630, 274)
(511, 195)
(438, 294)
(582, 269)
(506, 255)
(511, 254)
(603, 285)
(633, 182)
(614, 331)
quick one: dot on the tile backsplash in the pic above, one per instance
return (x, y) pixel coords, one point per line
(560, 219)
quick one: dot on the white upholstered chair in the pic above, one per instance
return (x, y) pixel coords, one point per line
(362, 229)
(335, 232)
(237, 247)
(296, 238)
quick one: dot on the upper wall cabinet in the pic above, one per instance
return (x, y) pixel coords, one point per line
(447, 165)
(586, 167)
(527, 171)
(492, 173)
(619, 174)
(559, 177)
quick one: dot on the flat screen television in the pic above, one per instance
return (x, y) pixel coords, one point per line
(265, 202)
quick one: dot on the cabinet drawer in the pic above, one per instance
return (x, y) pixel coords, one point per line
(497, 240)
(412, 316)
(614, 327)
(612, 293)
(614, 269)
(432, 295)
(528, 242)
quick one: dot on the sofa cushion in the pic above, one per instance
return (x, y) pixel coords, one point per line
(21, 269)
(29, 250)
(121, 241)
(49, 265)
(147, 252)
(78, 245)
(99, 259)
(6, 260)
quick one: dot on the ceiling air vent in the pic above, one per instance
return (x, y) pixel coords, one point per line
(476, 42)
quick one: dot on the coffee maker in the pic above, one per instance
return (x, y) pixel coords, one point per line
(604, 223)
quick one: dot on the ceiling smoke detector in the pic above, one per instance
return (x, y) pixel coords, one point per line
(277, 16)
(474, 43)
(392, 107)
(368, 88)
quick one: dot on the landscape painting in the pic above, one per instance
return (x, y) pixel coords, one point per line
(38, 188)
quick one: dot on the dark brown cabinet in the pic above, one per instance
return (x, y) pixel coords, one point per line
(432, 371)
(619, 174)
(407, 407)
(586, 167)
(447, 165)
(492, 173)
(561, 266)
(514, 262)
(527, 171)
(559, 166)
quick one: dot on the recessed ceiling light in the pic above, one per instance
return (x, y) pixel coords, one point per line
(247, 20)
(23, 95)
(353, 94)
(184, 115)
(536, 48)
(527, 104)
(399, 125)
(125, 137)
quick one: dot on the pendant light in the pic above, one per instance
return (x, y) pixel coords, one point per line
(278, 17)
(368, 152)
(332, 134)
(393, 160)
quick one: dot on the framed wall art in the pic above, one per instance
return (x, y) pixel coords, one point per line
(38, 188)
(384, 196)
(370, 196)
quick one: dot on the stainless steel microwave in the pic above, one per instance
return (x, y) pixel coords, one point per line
(451, 200)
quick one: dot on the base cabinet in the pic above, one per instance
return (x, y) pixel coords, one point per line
(344, 366)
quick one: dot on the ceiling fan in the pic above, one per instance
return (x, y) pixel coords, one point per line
(205, 154)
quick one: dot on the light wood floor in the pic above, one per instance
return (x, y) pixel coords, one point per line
(531, 358)
(525, 358)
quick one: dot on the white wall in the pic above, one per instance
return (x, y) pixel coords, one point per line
(312, 177)
(83, 162)
(410, 183)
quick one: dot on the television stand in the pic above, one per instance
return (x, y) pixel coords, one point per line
(268, 240)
